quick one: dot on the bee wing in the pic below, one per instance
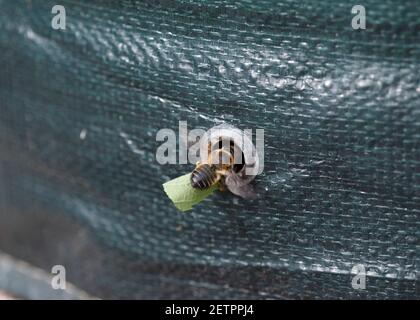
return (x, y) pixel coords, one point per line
(234, 184)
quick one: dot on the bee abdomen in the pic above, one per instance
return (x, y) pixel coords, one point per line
(203, 177)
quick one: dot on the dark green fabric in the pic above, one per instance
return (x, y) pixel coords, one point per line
(79, 113)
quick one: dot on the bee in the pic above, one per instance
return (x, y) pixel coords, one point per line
(223, 172)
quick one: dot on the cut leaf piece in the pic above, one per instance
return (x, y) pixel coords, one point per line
(183, 195)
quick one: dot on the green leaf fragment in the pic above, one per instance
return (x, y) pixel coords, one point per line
(183, 195)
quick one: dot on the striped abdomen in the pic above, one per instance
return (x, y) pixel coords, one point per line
(203, 177)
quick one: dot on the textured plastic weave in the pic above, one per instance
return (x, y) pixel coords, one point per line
(79, 113)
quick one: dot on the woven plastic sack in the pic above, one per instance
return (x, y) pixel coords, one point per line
(79, 113)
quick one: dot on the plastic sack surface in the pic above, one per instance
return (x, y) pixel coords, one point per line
(80, 108)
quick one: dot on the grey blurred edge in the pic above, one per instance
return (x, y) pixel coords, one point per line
(23, 281)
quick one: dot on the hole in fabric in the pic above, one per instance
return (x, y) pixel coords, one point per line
(238, 167)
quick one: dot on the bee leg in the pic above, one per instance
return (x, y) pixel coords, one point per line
(222, 187)
(220, 179)
(198, 163)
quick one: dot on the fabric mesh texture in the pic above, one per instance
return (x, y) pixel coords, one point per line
(80, 108)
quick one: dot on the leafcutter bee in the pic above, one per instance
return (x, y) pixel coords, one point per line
(221, 169)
